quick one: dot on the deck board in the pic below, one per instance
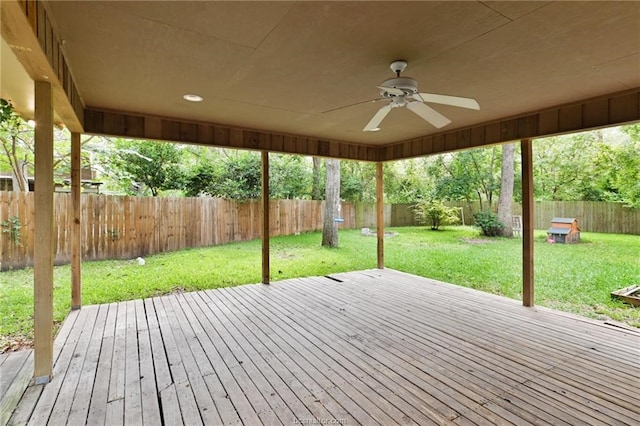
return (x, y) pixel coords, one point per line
(367, 347)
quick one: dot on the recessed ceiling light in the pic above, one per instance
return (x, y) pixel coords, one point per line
(192, 98)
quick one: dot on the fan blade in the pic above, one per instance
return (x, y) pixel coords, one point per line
(391, 90)
(449, 100)
(429, 114)
(350, 105)
(377, 119)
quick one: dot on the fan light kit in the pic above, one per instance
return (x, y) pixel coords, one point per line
(403, 91)
(192, 98)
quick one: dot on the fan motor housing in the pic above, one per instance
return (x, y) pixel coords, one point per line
(407, 84)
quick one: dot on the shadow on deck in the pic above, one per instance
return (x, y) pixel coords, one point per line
(369, 347)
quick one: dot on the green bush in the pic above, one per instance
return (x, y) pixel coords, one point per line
(488, 223)
(434, 213)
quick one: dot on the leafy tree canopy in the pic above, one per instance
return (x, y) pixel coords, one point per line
(154, 165)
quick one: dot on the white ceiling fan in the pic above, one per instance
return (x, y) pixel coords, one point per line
(404, 91)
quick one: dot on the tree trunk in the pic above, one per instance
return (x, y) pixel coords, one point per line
(18, 166)
(315, 188)
(506, 188)
(19, 178)
(331, 204)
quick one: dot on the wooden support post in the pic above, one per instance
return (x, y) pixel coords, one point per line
(527, 222)
(380, 213)
(43, 250)
(76, 242)
(265, 217)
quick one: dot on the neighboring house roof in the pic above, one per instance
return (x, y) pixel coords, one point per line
(9, 177)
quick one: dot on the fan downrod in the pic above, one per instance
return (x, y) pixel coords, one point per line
(398, 66)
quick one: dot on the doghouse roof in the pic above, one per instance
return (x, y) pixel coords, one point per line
(561, 231)
(564, 220)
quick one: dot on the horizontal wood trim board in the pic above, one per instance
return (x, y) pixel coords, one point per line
(26, 27)
(615, 109)
(133, 125)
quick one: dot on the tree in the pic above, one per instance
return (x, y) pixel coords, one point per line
(316, 191)
(506, 188)
(561, 167)
(407, 181)
(617, 168)
(17, 142)
(16, 138)
(435, 213)
(240, 177)
(468, 175)
(627, 179)
(156, 165)
(331, 203)
(289, 177)
(357, 181)
(200, 180)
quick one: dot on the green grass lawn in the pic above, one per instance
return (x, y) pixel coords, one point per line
(574, 278)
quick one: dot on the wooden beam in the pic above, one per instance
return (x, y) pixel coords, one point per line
(76, 242)
(380, 213)
(527, 222)
(43, 250)
(134, 125)
(611, 110)
(265, 218)
(27, 29)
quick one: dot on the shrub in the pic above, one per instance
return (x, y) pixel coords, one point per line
(12, 227)
(434, 213)
(488, 223)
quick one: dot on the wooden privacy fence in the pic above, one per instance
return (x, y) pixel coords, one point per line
(115, 227)
(593, 216)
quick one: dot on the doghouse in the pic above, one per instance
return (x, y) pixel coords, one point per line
(564, 230)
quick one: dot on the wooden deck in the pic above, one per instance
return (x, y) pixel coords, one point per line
(370, 347)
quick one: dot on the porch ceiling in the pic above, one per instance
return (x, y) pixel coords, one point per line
(296, 67)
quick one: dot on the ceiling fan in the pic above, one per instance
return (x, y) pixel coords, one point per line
(403, 91)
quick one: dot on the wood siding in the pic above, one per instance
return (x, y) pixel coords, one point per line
(38, 47)
(612, 110)
(134, 125)
(615, 109)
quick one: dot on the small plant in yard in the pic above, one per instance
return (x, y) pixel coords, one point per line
(13, 227)
(488, 222)
(434, 213)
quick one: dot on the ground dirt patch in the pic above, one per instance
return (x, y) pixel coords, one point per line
(477, 241)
